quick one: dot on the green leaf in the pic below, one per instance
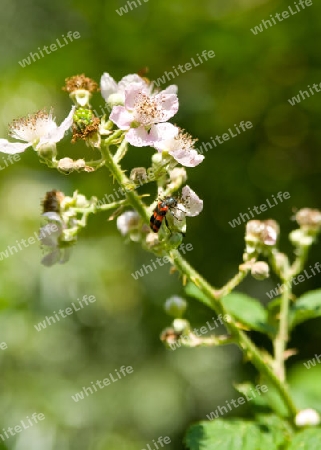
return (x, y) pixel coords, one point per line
(249, 312)
(308, 439)
(195, 292)
(305, 386)
(306, 307)
(269, 433)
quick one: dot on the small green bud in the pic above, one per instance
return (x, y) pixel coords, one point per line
(175, 306)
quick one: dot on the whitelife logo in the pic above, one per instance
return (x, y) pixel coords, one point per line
(70, 310)
(101, 384)
(296, 280)
(53, 47)
(258, 209)
(187, 66)
(24, 426)
(220, 410)
(285, 15)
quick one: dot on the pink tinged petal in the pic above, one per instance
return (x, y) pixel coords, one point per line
(108, 86)
(131, 95)
(121, 117)
(12, 147)
(168, 104)
(193, 203)
(161, 135)
(139, 137)
(188, 158)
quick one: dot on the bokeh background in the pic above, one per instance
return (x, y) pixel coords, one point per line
(251, 78)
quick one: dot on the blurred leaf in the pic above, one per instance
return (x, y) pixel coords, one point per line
(305, 386)
(194, 291)
(248, 312)
(309, 439)
(270, 433)
(306, 307)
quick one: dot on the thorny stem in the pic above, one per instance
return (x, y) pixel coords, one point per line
(214, 296)
(249, 348)
(282, 337)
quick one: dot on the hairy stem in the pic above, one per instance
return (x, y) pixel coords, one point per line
(249, 348)
(214, 295)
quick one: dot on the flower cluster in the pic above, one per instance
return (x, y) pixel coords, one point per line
(139, 116)
(62, 211)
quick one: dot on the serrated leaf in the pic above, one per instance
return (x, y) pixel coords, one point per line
(308, 439)
(248, 312)
(306, 307)
(236, 435)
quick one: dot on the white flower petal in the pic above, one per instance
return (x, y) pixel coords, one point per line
(12, 147)
(133, 79)
(162, 134)
(172, 89)
(51, 258)
(139, 137)
(108, 86)
(187, 157)
(128, 221)
(58, 133)
(193, 203)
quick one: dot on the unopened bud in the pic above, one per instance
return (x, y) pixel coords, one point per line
(260, 270)
(261, 233)
(47, 151)
(175, 306)
(66, 165)
(307, 417)
(129, 221)
(309, 218)
(300, 238)
(181, 326)
(139, 175)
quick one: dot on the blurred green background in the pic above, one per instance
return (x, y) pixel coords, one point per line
(250, 79)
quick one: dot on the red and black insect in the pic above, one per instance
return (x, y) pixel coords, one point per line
(163, 206)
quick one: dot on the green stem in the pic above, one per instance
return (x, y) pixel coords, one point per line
(121, 151)
(249, 348)
(122, 179)
(282, 337)
(251, 351)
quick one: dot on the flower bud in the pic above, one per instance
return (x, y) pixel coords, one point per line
(300, 238)
(129, 221)
(47, 151)
(178, 175)
(309, 218)
(307, 417)
(139, 175)
(175, 306)
(260, 235)
(66, 165)
(260, 270)
(181, 326)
